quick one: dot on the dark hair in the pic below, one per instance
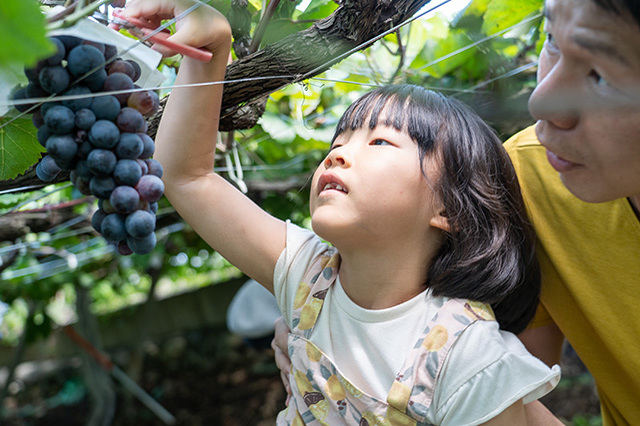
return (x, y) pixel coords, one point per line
(489, 254)
(621, 7)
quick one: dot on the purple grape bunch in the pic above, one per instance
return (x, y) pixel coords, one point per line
(100, 140)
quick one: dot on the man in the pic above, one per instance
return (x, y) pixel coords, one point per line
(580, 174)
(581, 183)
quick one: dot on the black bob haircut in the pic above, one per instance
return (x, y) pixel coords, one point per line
(489, 253)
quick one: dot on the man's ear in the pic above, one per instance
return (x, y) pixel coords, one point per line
(440, 221)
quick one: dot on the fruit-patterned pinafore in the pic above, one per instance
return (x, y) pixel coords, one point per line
(321, 395)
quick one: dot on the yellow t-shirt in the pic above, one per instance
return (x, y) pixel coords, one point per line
(590, 260)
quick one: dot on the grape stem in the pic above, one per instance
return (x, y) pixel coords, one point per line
(262, 25)
(78, 14)
(66, 12)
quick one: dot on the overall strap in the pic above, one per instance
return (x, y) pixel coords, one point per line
(312, 291)
(413, 389)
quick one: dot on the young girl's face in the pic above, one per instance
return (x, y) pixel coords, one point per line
(370, 189)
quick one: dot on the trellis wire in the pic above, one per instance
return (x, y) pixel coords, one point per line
(507, 74)
(59, 236)
(359, 83)
(82, 255)
(36, 198)
(23, 188)
(54, 267)
(478, 42)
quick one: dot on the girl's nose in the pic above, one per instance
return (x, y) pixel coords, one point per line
(336, 157)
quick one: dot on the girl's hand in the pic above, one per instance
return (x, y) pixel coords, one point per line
(203, 27)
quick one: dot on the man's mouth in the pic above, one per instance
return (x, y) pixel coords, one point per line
(559, 163)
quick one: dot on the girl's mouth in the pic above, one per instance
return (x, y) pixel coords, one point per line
(333, 185)
(329, 181)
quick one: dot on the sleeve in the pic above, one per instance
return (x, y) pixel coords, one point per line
(488, 370)
(302, 247)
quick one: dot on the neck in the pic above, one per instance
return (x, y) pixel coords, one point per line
(381, 277)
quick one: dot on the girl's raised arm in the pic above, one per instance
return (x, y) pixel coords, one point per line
(229, 222)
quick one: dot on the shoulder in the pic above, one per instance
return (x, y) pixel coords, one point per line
(523, 139)
(303, 248)
(540, 183)
(525, 150)
(486, 371)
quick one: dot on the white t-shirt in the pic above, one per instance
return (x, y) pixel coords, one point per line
(486, 371)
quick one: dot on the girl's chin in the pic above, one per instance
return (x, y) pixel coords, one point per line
(329, 230)
(322, 228)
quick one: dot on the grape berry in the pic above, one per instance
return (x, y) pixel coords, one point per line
(100, 139)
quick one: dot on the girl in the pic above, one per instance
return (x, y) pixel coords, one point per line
(407, 317)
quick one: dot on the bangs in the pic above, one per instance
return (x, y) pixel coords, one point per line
(367, 110)
(408, 108)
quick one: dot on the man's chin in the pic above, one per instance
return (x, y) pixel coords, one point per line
(588, 193)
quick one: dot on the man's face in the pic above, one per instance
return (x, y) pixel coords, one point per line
(587, 101)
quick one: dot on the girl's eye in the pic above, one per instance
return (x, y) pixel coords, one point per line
(551, 39)
(598, 79)
(379, 142)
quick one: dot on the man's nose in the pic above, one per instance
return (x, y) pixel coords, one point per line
(556, 98)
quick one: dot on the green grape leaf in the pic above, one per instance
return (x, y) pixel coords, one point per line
(256, 4)
(23, 35)
(476, 7)
(19, 147)
(318, 10)
(502, 14)
(278, 128)
(436, 51)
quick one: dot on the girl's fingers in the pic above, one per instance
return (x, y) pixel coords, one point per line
(200, 29)
(153, 11)
(163, 50)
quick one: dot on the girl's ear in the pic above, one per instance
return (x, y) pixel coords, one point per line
(440, 221)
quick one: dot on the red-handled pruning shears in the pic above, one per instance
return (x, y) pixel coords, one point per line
(141, 29)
